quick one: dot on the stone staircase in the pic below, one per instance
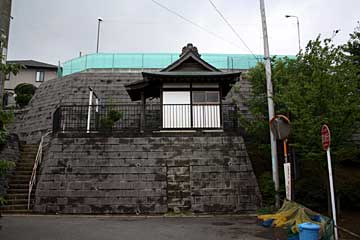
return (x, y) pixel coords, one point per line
(17, 193)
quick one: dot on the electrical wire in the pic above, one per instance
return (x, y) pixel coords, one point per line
(194, 23)
(232, 28)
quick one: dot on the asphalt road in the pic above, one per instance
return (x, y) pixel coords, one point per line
(130, 228)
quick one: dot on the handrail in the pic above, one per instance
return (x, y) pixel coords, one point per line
(37, 162)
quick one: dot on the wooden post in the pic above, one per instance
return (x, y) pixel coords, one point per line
(142, 112)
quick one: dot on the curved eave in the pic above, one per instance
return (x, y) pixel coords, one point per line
(152, 82)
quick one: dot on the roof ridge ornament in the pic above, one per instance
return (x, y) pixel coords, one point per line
(190, 48)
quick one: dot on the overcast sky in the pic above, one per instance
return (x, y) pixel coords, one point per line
(52, 30)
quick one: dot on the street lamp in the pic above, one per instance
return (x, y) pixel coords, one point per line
(298, 27)
(98, 34)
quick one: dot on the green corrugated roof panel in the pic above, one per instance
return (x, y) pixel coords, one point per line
(154, 60)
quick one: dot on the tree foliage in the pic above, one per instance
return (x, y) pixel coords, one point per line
(319, 86)
(6, 68)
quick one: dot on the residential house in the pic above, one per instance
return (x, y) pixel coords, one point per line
(33, 72)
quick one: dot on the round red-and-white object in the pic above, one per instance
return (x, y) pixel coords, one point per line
(325, 137)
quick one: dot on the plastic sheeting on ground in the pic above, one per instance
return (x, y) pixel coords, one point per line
(291, 214)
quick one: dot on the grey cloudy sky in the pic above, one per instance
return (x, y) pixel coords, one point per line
(52, 30)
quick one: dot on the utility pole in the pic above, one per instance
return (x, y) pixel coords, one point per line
(269, 91)
(5, 15)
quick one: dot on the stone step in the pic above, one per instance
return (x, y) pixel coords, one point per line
(18, 211)
(17, 190)
(22, 146)
(24, 168)
(29, 148)
(24, 163)
(16, 196)
(14, 207)
(32, 154)
(26, 156)
(21, 172)
(18, 185)
(29, 152)
(15, 201)
(27, 161)
(20, 177)
(19, 181)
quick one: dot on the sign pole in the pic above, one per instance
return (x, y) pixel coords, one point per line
(280, 127)
(325, 136)
(332, 193)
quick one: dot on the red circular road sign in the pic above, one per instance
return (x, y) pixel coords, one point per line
(325, 137)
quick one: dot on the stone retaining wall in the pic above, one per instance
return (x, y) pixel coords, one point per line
(150, 174)
(34, 121)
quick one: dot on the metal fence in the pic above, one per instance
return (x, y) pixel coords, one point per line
(136, 117)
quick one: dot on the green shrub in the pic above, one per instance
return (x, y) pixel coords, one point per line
(3, 137)
(25, 88)
(5, 165)
(115, 115)
(23, 99)
(24, 93)
(5, 118)
(349, 195)
(267, 190)
(107, 122)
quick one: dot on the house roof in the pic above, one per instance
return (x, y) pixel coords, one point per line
(33, 64)
(188, 68)
(190, 56)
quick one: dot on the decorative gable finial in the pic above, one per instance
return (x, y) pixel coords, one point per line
(190, 48)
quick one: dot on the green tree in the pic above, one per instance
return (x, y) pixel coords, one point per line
(352, 47)
(319, 86)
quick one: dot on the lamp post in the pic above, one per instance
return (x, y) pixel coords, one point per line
(298, 27)
(98, 34)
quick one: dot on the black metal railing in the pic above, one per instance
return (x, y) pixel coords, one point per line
(137, 117)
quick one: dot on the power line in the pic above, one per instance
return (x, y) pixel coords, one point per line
(233, 29)
(194, 23)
